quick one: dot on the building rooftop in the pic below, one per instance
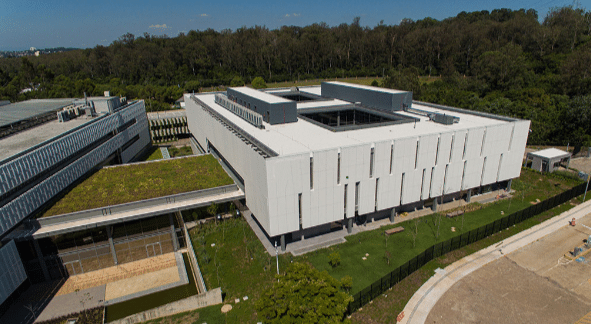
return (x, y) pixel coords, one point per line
(550, 153)
(26, 139)
(139, 181)
(305, 136)
(167, 114)
(23, 110)
(361, 86)
(261, 95)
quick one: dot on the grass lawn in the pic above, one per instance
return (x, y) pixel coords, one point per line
(178, 152)
(127, 183)
(238, 263)
(155, 155)
(530, 186)
(209, 315)
(154, 300)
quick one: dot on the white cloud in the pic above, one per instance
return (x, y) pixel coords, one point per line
(204, 15)
(296, 15)
(286, 15)
(163, 26)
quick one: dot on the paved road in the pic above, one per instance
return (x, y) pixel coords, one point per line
(518, 279)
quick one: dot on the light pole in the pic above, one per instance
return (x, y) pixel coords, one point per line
(277, 258)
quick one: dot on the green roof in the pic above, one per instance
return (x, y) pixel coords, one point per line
(134, 182)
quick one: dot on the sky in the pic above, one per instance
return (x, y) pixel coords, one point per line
(83, 23)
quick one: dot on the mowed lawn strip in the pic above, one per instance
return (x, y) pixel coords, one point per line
(529, 187)
(134, 182)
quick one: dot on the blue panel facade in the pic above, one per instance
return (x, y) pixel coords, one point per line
(12, 272)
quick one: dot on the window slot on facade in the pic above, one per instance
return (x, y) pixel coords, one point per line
(499, 169)
(444, 179)
(371, 162)
(437, 151)
(311, 172)
(483, 169)
(465, 144)
(511, 138)
(339, 168)
(423, 182)
(391, 157)
(402, 188)
(431, 181)
(483, 140)
(357, 196)
(451, 150)
(376, 198)
(463, 175)
(345, 202)
(300, 209)
(417, 154)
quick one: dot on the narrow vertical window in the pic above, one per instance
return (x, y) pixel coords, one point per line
(371, 162)
(451, 150)
(376, 198)
(311, 172)
(391, 156)
(444, 179)
(499, 169)
(356, 196)
(402, 188)
(465, 144)
(431, 181)
(483, 169)
(423, 182)
(345, 202)
(483, 140)
(417, 154)
(300, 208)
(437, 151)
(511, 138)
(463, 175)
(339, 168)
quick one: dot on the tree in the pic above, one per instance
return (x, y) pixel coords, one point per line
(334, 259)
(258, 83)
(192, 86)
(237, 82)
(347, 283)
(303, 295)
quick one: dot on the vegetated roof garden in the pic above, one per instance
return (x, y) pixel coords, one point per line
(134, 182)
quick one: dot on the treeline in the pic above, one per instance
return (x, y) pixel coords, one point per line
(503, 61)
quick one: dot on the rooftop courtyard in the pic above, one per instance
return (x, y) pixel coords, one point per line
(134, 182)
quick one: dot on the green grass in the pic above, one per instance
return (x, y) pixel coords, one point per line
(155, 155)
(178, 152)
(154, 300)
(127, 183)
(238, 263)
(531, 184)
(210, 315)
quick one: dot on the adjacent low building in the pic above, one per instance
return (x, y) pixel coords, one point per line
(317, 157)
(47, 145)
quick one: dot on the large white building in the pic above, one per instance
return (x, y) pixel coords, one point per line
(316, 156)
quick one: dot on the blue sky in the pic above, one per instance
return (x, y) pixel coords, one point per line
(82, 23)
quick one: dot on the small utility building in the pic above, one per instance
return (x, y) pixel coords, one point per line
(548, 160)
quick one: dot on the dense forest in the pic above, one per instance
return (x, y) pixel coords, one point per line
(505, 62)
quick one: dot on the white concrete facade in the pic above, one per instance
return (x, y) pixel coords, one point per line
(411, 163)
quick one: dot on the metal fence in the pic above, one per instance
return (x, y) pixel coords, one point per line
(439, 249)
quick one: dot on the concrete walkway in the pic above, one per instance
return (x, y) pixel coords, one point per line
(421, 303)
(336, 237)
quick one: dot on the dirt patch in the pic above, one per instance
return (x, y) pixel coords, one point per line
(505, 292)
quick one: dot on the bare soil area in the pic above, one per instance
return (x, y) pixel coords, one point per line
(535, 284)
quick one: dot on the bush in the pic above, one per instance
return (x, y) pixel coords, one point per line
(334, 259)
(347, 283)
(375, 83)
(258, 83)
(237, 82)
